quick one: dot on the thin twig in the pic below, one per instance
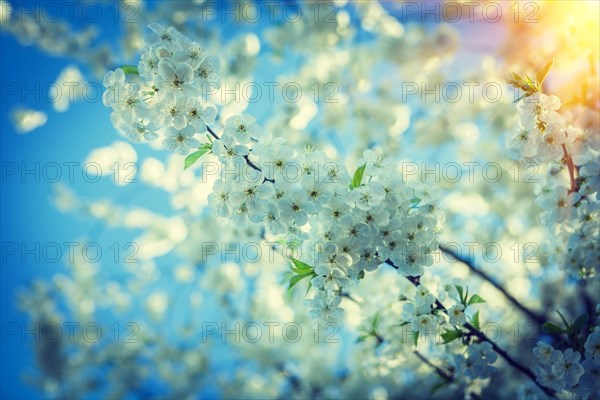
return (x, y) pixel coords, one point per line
(571, 167)
(441, 373)
(538, 318)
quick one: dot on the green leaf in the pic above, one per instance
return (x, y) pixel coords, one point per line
(451, 335)
(416, 337)
(459, 289)
(580, 322)
(476, 319)
(361, 275)
(130, 69)
(302, 266)
(358, 176)
(297, 278)
(375, 321)
(195, 156)
(476, 299)
(301, 270)
(564, 320)
(540, 76)
(551, 328)
(308, 288)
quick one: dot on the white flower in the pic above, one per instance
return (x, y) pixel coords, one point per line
(559, 203)
(180, 140)
(208, 72)
(242, 128)
(136, 131)
(190, 53)
(548, 378)
(161, 35)
(148, 65)
(456, 314)
(543, 352)
(376, 164)
(588, 213)
(240, 214)
(295, 208)
(367, 196)
(590, 380)
(129, 105)
(170, 110)
(330, 255)
(113, 82)
(589, 175)
(411, 258)
(592, 346)
(274, 159)
(358, 233)
(568, 367)
(424, 324)
(481, 356)
(540, 107)
(175, 77)
(523, 143)
(329, 278)
(334, 209)
(269, 218)
(252, 193)
(376, 217)
(550, 145)
(334, 172)
(414, 230)
(369, 261)
(219, 198)
(318, 192)
(391, 231)
(198, 115)
(229, 153)
(424, 300)
(325, 306)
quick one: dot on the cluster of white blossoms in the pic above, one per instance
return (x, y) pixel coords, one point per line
(476, 363)
(569, 197)
(167, 99)
(567, 371)
(571, 210)
(347, 225)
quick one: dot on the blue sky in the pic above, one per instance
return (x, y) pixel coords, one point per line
(27, 213)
